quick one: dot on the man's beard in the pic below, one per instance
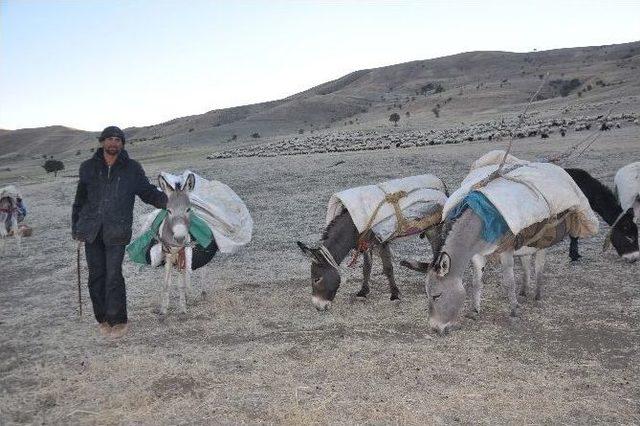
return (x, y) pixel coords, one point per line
(112, 150)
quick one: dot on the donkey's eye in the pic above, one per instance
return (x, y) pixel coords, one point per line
(188, 209)
(169, 211)
(436, 296)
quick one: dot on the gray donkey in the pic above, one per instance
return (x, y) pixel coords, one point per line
(463, 243)
(175, 239)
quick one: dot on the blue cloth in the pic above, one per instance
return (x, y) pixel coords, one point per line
(493, 224)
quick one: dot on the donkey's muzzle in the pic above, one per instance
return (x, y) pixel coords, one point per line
(320, 304)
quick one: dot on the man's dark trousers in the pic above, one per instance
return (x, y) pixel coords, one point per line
(106, 283)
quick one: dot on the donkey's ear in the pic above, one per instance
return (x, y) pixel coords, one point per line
(443, 264)
(190, 183)
(164, 185)
(309, 252)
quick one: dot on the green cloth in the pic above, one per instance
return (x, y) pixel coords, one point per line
(198, 229)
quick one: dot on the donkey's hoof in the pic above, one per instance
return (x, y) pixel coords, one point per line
(362, 294)
(575, 257)
(394, 297)
(515, 312)
(473, 315)
(203, 295)
(162, 318)
(156, 310)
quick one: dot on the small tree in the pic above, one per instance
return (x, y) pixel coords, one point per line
(255, 135)
(78, 152)
(53, 166)
(394, 118)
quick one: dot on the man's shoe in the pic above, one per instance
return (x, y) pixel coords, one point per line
(119, 330)
(104, 328)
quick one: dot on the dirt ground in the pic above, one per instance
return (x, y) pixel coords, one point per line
(255, 350)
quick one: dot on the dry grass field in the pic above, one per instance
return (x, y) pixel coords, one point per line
(255, 350)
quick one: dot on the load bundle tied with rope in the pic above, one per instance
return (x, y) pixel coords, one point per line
(219, 220)
(392, 209)
(527, 202)
(627, 184)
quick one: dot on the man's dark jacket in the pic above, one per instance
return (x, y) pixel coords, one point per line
(105, 197)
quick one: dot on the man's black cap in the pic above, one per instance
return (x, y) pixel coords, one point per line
(111, 132)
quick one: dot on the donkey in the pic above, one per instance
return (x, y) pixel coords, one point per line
(464, 243)
(624, 232)
(338, 239)
(9, 222)
(623, 236)
(175, 239)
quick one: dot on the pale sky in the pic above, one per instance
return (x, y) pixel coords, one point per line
(88, 64)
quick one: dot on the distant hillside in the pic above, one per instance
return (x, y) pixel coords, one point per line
(434, 93)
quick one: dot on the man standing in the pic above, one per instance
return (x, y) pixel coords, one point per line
(102, 217)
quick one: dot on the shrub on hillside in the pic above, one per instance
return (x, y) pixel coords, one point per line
(53, 166)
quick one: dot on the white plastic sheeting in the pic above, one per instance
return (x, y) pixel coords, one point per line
(529, 194)
(220, 207)
(627, 182)
(424, 193)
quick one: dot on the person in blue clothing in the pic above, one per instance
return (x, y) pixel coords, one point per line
(101, 218)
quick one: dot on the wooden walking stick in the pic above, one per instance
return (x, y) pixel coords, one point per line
(79, 283)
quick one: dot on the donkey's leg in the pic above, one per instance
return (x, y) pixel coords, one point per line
(182, 290)
(164, 295)
(387, 269)
(366, 272)
(479, 263)
(573, 249)
(538, 270)
(16, 233)
(525, 260)
(188, 261)
(3, 233)
(508, 279)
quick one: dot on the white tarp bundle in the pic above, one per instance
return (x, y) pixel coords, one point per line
(220, 207)
(627, 182)
(529, 194)
(424, 194)
(10, 191)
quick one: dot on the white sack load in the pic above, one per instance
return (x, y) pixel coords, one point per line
(220, 207)
(627, 182)
(10, 191)
(426, 194)
(529, 194)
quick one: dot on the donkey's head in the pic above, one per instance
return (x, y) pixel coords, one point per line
(624, 233)
(445, 292)
(178, 207)
(325, 279)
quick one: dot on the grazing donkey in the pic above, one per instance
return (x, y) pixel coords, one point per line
(175, 239)
(623, 236)
(624, 232)
(338, 239)
(463, 243)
